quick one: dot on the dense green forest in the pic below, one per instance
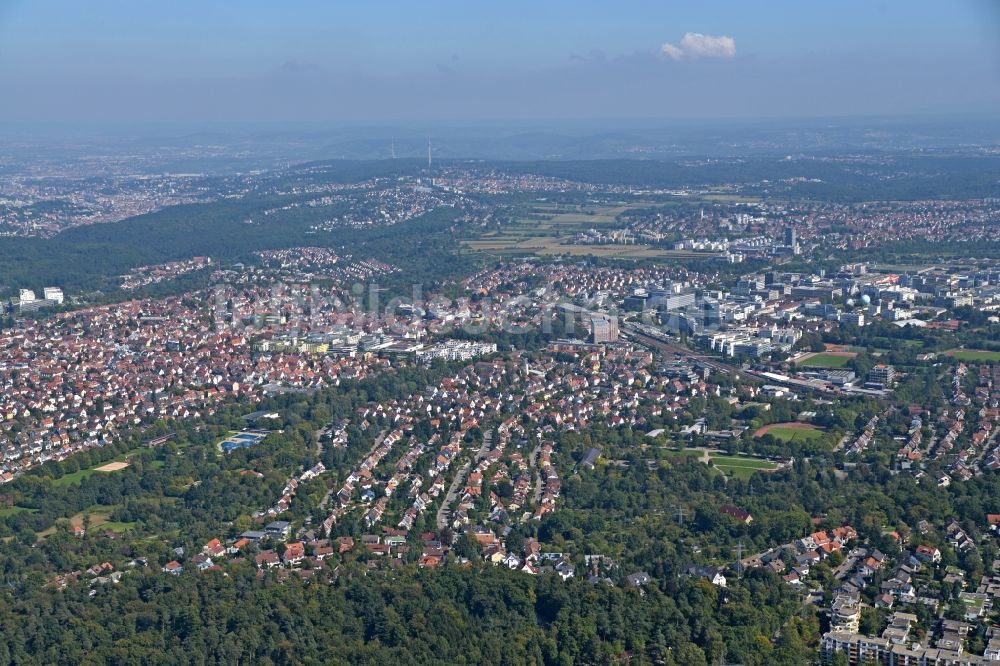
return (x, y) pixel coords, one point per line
(455, 616)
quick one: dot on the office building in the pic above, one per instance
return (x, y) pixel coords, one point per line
(53, 294)
(882, 374)
(604, 328)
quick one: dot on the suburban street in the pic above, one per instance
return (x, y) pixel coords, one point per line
(441, 519)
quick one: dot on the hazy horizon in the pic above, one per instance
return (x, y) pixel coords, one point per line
(310, 62)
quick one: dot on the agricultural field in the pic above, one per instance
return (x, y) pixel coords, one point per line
(730, 198)
(637, 251)
(550, 229)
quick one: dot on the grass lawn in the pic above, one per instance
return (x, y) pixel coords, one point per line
(118, 527)
(74, 477)
(975, 356)
(80, 475)
(100, 514)
(791, 432)
(795, 434)
(11, 510)
(741, 467)
(742, 461)
(684, 453)
(738, 467)
(743, 473)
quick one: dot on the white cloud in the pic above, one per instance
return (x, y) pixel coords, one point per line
(673, 51)
(696, 45)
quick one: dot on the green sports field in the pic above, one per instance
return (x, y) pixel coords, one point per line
(792, 432)
(975, 356)
(827, 360)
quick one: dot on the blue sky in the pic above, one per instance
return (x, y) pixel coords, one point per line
(388, 61)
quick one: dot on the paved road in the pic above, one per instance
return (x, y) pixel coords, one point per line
(378, 441)
(848, 564)
(319, 442)
(533, 462)
(441, 520)
(981, 452)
